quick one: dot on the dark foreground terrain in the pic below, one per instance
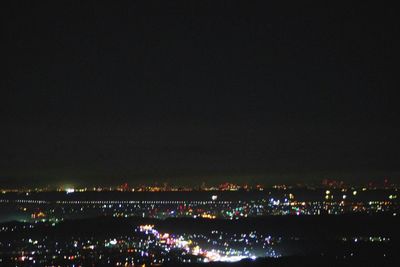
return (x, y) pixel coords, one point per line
(316, 261)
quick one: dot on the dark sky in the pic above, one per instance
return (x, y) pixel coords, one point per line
(96, 92)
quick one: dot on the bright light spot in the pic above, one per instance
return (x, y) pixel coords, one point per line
(69, 190)
(230, 258)
(214, 197)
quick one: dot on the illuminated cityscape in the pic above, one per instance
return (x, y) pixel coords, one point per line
(165, 226)
(232, 202)
(199, 134)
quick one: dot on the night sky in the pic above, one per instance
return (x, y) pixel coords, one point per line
(95, 92)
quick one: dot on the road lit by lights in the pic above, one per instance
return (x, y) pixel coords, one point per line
(176, 241)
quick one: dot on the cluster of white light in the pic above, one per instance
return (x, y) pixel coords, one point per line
(187, 245)
(69, 190)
